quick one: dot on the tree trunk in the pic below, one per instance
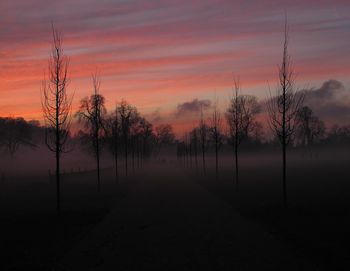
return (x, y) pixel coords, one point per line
(98, 164)
(203, 158)
(58, 181)
(195, 157)
(190, 155)
(184, 157)
(133, 157)
(58, 141)
(236, 165)
(126, 154)
(138, 153)
(284, 146)
(216, 160)
(285, 202)
(116, 164)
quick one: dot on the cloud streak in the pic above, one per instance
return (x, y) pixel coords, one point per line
(157, 53)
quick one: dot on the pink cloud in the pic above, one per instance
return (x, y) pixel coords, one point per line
(159, 53)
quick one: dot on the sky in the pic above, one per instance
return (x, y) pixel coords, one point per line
(162, 56)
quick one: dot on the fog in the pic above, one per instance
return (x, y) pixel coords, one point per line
(314, 177)
(166, 189)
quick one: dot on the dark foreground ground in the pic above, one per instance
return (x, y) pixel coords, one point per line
(316, 224)
(32, 235)
(173, 218)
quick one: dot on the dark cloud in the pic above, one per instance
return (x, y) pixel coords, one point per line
(193, 106)
(331, 102)
(154, 117)
(327, 91)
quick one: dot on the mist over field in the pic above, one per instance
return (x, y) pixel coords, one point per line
(163, 193)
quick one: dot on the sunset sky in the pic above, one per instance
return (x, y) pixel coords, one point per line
(160, 54)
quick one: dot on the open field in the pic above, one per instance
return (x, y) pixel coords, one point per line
(32, 235)
(316, 224)
(169, 217)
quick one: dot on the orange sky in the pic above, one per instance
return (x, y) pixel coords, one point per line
(159, 54)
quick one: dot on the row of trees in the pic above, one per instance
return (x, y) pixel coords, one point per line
(310, 131)
(123, 130)
(239, 126)
(287, 117)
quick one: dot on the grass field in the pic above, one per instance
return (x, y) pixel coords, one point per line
(316, 224)
(32, 234)
(314, 227)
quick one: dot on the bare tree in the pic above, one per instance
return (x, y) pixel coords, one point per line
(15, 132)
(194, 142)
(146, 134)
(126, 112)
(311, 128)
(135, 130)
(240, 117)
(215, 129)
(181, 152)
(56, 105)
(187, 141)
(113, 132)
(203, 138)
(283, 108)
(164, 136)
(257, 132)
(92, 112)
(339, 135)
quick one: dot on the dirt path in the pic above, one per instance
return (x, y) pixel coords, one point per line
(169, 222)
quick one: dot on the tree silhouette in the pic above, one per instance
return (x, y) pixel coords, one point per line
(135, 130)
(146, 134)
(164, 135)
(15, 132)
(240, 118)
(215, 131)
(257, 132)
(56, 105)
(310, 129)
(283, 108)
(188, 151)
(113, 132)
(194, 139)
(92, 112)
(203, 130)
(127, 114)
(339, 135)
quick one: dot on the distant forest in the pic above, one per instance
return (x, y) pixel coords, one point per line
(146, 140)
